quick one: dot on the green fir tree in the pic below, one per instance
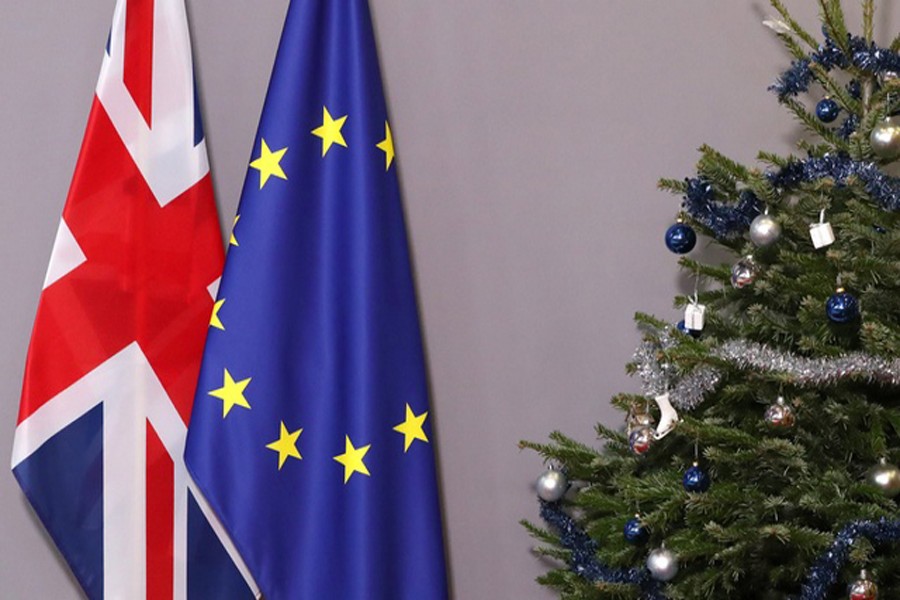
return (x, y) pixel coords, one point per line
(782, 486)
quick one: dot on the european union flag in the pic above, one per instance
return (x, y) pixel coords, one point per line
(311, 432)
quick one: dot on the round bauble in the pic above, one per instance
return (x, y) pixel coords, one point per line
(551, 486)
(635, 531)
(827, 110)
(680, 238)
(886, 477)
(696, 479)
(744, 272)
(780, 415)
(662, 564)
(863, 589)
(764, 230)
(694, 333)
(886, 77)
(842, 307)
(640, 440)
(885, 139)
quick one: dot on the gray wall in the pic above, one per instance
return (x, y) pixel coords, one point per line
(530, 133)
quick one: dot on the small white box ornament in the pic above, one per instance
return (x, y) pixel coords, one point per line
(821, 233)
(694, 316)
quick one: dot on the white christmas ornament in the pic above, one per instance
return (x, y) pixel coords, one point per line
(668, 417)
(778, 26)
(694, 316)
(662, 564)
(821, 233)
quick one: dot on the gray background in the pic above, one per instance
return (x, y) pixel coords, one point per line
(530, 134)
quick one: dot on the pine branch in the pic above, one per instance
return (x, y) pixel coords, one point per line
(836, 90)
(888, 90)
(720, 273)
(794, 47)
(869, 19)
(759, 184)
(794, 25)
(772, 159)
(676, 186)
(835, 23)
(539, 533)
(814, 125)
(718, 161)
(644, 319)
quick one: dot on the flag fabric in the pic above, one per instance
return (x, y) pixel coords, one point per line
(118, 338)
(312, 434)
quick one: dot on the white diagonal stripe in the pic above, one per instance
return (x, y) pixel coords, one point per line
(165, 155)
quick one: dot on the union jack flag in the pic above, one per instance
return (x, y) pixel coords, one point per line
(117, 341)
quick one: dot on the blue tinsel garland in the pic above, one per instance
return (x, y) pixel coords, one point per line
(584, 559)
(863, 55)
(822, 576)
(824, 573)
(729, 221)
(723, 220)
(884, 189)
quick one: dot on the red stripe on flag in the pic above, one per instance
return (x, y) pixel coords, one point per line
(144, 279)
(139, 54)
(160, 519)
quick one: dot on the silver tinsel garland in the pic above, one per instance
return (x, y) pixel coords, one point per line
(688, 392)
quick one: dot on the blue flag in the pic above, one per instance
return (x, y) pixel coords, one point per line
(311, 434)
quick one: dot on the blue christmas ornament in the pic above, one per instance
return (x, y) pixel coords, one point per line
(635, 532)
(695, 333)
(842, 307)
(827, 110)
(680, 238)
(696, 479)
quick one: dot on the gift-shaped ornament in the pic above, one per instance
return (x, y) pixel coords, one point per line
(694, 315)
(822, 234)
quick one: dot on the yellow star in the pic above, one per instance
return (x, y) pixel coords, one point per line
(330, 131)
(352, 459)
(214, 320)
(387, 146)
(411, 428)
(269, 164)
(233, 240)
(286, 445)
(231, 393)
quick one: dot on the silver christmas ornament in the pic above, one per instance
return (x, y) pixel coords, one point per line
(642, 420)
(744, 272)
(885, 139)
(640, 440)
(780, 415)
(662, 564)
(863, 588)
(885, 477)
(764, 230)
(886, 77)
(551, 486)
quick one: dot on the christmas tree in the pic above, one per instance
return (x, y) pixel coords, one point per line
(760, 459)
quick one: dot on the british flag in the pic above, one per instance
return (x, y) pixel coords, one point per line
(118, 337)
